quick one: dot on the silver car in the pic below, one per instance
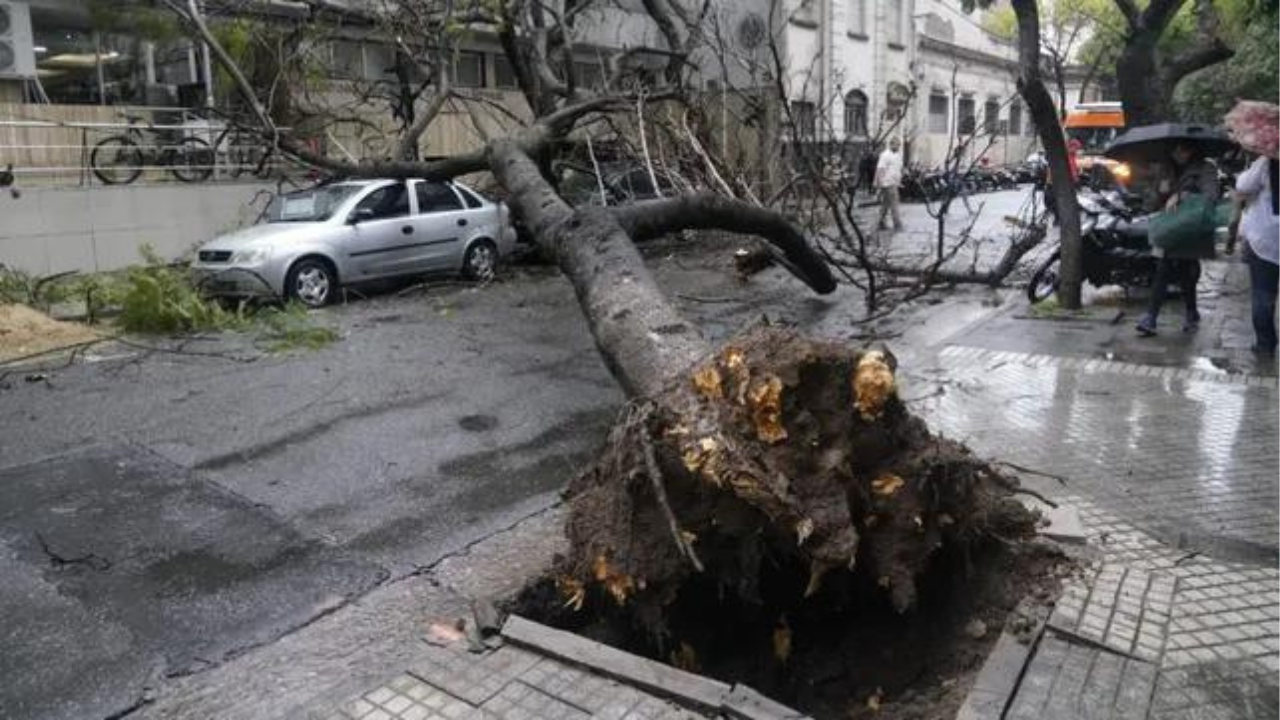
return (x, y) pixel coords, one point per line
(316, 240)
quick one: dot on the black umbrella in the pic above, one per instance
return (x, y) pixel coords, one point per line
(1156, 142)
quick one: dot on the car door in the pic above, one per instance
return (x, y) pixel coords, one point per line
(381, 236)
(442, 223)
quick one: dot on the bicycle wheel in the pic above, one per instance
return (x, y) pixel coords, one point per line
(264, 162)
(241, 154)
(116, 160)
(190, 160)
(1044, 282)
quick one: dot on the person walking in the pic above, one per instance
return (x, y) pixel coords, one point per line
(1191, 174)
(1260, 228)
(888, 178)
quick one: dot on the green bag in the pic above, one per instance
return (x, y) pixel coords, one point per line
(1187, 231)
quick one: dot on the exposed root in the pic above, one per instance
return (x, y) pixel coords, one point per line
(778, 456)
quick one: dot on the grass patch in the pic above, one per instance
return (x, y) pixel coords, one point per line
(1048, 307)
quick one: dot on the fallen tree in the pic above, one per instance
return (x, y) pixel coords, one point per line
(772, 447)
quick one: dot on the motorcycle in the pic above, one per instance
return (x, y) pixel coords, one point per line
(1113, 239)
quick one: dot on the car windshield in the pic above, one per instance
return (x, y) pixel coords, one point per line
(311, 205)
(1094, 139)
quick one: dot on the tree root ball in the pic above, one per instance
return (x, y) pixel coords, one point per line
(780, 450)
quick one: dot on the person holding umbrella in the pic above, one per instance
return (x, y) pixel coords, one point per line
(1183, 237)
(1191, 174)
(1256, 126)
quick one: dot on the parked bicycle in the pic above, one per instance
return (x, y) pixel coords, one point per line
(120, 159)
(240, 150)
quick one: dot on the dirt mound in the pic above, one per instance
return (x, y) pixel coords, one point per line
(778, 516)
(24, 331)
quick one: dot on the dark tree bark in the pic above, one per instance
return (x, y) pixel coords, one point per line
(1040, 106)
(1146, 77)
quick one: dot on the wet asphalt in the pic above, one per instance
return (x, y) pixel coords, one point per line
(161, 512)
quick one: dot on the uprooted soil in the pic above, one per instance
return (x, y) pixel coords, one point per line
(24, 331)
(778, 517)
(844, 654)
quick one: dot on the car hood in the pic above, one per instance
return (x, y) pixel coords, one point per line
(263, 235)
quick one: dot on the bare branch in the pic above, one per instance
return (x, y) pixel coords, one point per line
(653, 218)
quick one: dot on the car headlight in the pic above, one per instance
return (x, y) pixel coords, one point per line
(251, 256)
(1122, 171)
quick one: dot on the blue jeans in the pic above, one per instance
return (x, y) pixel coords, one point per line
(1263, 278)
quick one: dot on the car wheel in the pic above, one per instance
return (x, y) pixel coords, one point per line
(481, 261)
(311, 282)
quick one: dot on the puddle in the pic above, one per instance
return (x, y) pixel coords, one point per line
(477, 423)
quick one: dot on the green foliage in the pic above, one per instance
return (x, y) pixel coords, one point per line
(160, 299)
(1250, 75)
(16, 286)
(292, 327)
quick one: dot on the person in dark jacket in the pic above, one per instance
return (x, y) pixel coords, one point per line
(1190, 174)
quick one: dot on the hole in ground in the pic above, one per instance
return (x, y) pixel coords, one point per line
(848, 654)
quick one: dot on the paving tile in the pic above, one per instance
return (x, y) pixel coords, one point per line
(519, 701)
(473, 678)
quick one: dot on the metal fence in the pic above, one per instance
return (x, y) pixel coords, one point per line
(58, 149)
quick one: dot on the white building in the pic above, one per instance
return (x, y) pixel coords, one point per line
(854, 66)
(966, 83)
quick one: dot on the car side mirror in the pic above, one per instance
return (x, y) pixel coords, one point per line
(360, 215)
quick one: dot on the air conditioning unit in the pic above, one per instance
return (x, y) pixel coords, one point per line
(17, 50)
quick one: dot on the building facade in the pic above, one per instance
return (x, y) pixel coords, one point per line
(923, 71)
(853, 72)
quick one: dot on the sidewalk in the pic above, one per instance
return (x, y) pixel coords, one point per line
(1169, 457)
(1174, 472)
(1168, 449)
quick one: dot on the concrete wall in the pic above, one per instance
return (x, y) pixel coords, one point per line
(50, 230)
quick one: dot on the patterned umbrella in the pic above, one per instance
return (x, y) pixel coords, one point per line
(1256, 126)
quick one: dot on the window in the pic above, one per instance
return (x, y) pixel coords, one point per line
(588, 74)
(468, 70)
(938, 107)
(379, 62)
(504, 77)
(991, 116)
(348, 60)
(804, 115)
(1015, 119)
(436, 197)
(805, 13)
(966, 120)
(471, 199)
(386, 202)
(893, 16)
(858, 17)
(855, 114)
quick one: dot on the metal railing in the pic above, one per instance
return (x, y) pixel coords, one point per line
(54, 160)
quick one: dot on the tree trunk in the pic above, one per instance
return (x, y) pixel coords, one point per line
(1147, 78)
(642, 338)
(1040, 106)
(1145, 100)
(772, 446)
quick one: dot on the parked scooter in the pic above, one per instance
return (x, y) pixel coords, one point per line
(1115, 249)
